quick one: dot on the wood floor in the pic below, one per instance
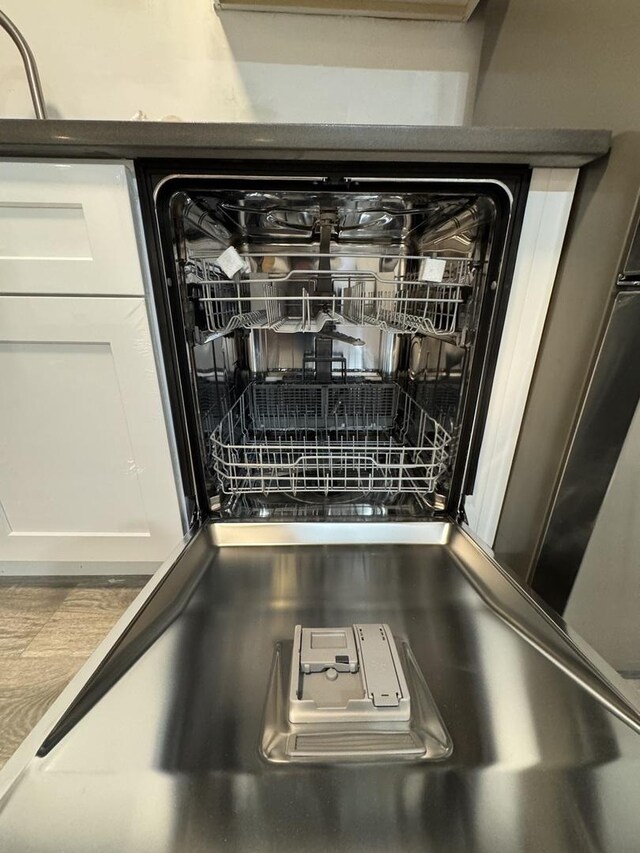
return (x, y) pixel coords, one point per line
(48, 628)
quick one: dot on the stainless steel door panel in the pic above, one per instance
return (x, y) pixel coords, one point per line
(605, 418)
(168, 758)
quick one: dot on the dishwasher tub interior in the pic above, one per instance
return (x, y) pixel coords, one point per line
(332, 335)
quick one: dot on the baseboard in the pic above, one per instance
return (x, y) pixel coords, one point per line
(45, 569)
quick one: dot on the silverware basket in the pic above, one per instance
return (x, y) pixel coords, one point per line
(286, 437)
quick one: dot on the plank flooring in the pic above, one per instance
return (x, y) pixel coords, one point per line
(48, 628)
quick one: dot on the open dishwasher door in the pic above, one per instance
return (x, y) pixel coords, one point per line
(159, 745)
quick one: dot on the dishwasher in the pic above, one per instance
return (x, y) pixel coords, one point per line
(334, 342)
(333, 660)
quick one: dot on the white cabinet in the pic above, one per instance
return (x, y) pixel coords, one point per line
(429, 10)
(86, 474)
(67, 228)
(85, 468)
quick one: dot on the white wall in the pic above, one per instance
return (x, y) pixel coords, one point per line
(107, 59)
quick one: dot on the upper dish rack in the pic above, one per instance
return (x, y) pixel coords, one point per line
(289, 302)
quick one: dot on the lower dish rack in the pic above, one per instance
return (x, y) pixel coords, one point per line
(292, 438)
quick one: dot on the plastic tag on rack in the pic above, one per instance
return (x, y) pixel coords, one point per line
(230, 262)
(434, 269)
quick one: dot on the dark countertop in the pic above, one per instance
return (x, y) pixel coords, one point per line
(131, 139)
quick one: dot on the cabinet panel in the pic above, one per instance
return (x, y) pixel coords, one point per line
(85, 467)
(66, 228)
(429, 10)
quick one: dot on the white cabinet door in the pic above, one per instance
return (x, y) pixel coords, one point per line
(85, 467)
(66, 228)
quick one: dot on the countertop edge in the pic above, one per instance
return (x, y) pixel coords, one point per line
(172, 140)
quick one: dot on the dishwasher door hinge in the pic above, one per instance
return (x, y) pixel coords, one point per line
(193, 514)
(460, 516)
(457, 513)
